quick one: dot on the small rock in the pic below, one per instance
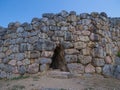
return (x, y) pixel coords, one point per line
(108, 70)
(34, 54)
(98, 62)
(19, 63)
(90, 69)
(45, 61)
(47, 54)
(84, 38)
(5, 60)
(117, 72)
(98, 70)
(19, 56)
(108, 60)
(20, 29)
(85, 59)
(68, 36)
(103, 14)
(79, 45)
(2, 55)
(86, 33)
(12, 62)
(26, 62)
(43, 67)
(117, 61)
(86, 51)
(15, 70)
(67, 45)
(64, 13)
(3, 74)
(0, 60)
(33, 68)
(48, 15)
(22, 70)
(94, 37)
(84, 15)
(95, 14)
(71, 51)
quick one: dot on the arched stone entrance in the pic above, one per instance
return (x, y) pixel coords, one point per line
(58, 60)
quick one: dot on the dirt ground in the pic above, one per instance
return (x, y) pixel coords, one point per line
(61, 82)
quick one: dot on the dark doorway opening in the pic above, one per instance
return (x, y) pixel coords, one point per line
(58, 60)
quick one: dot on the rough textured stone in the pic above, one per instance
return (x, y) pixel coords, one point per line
(15, 70)
(86, 51)
(117, 72)
(71, 51)
(44, 45)
(2, 55)
(84, 38)
(22, 70)
(23, 47)
(117, 61)
(72, 18)
(71, 58)
(86, 33)
(90, 69)
(12, 62)
(45, 60)
(20, 30)
(67, 45)
(98, 52)
(47, 54)
(28, 27)
(2, 66)
(84, 15)
(79, 45)
(19, 56)
(98, 62)
(98, 70)
(0, 60)
(88, 40)
(3, 74)
(34, 54)
(68, 36)
(94, 37)
(19, 63)
(75, 68)
(5, 60)
(84, 59)
(33, 68)
(108, 70)
(43, 67)
(108, 60)
(26, 62)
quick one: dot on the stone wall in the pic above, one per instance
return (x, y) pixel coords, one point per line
(91, 43)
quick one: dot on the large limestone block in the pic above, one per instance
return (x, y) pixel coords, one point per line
(33, 68)
(44, 45)
(71, 58)
(98, 62)
(79, 45)
(75, 68)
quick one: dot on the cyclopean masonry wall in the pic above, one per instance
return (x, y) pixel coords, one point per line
(90, 42)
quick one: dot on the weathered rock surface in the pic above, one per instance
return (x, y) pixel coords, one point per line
(90, 44)
(76, 68)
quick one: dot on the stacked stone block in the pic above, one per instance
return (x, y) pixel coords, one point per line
(90, 43)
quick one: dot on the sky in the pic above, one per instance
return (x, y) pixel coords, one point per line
(25, 10)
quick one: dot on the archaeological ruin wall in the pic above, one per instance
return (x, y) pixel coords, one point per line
(81, 44)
